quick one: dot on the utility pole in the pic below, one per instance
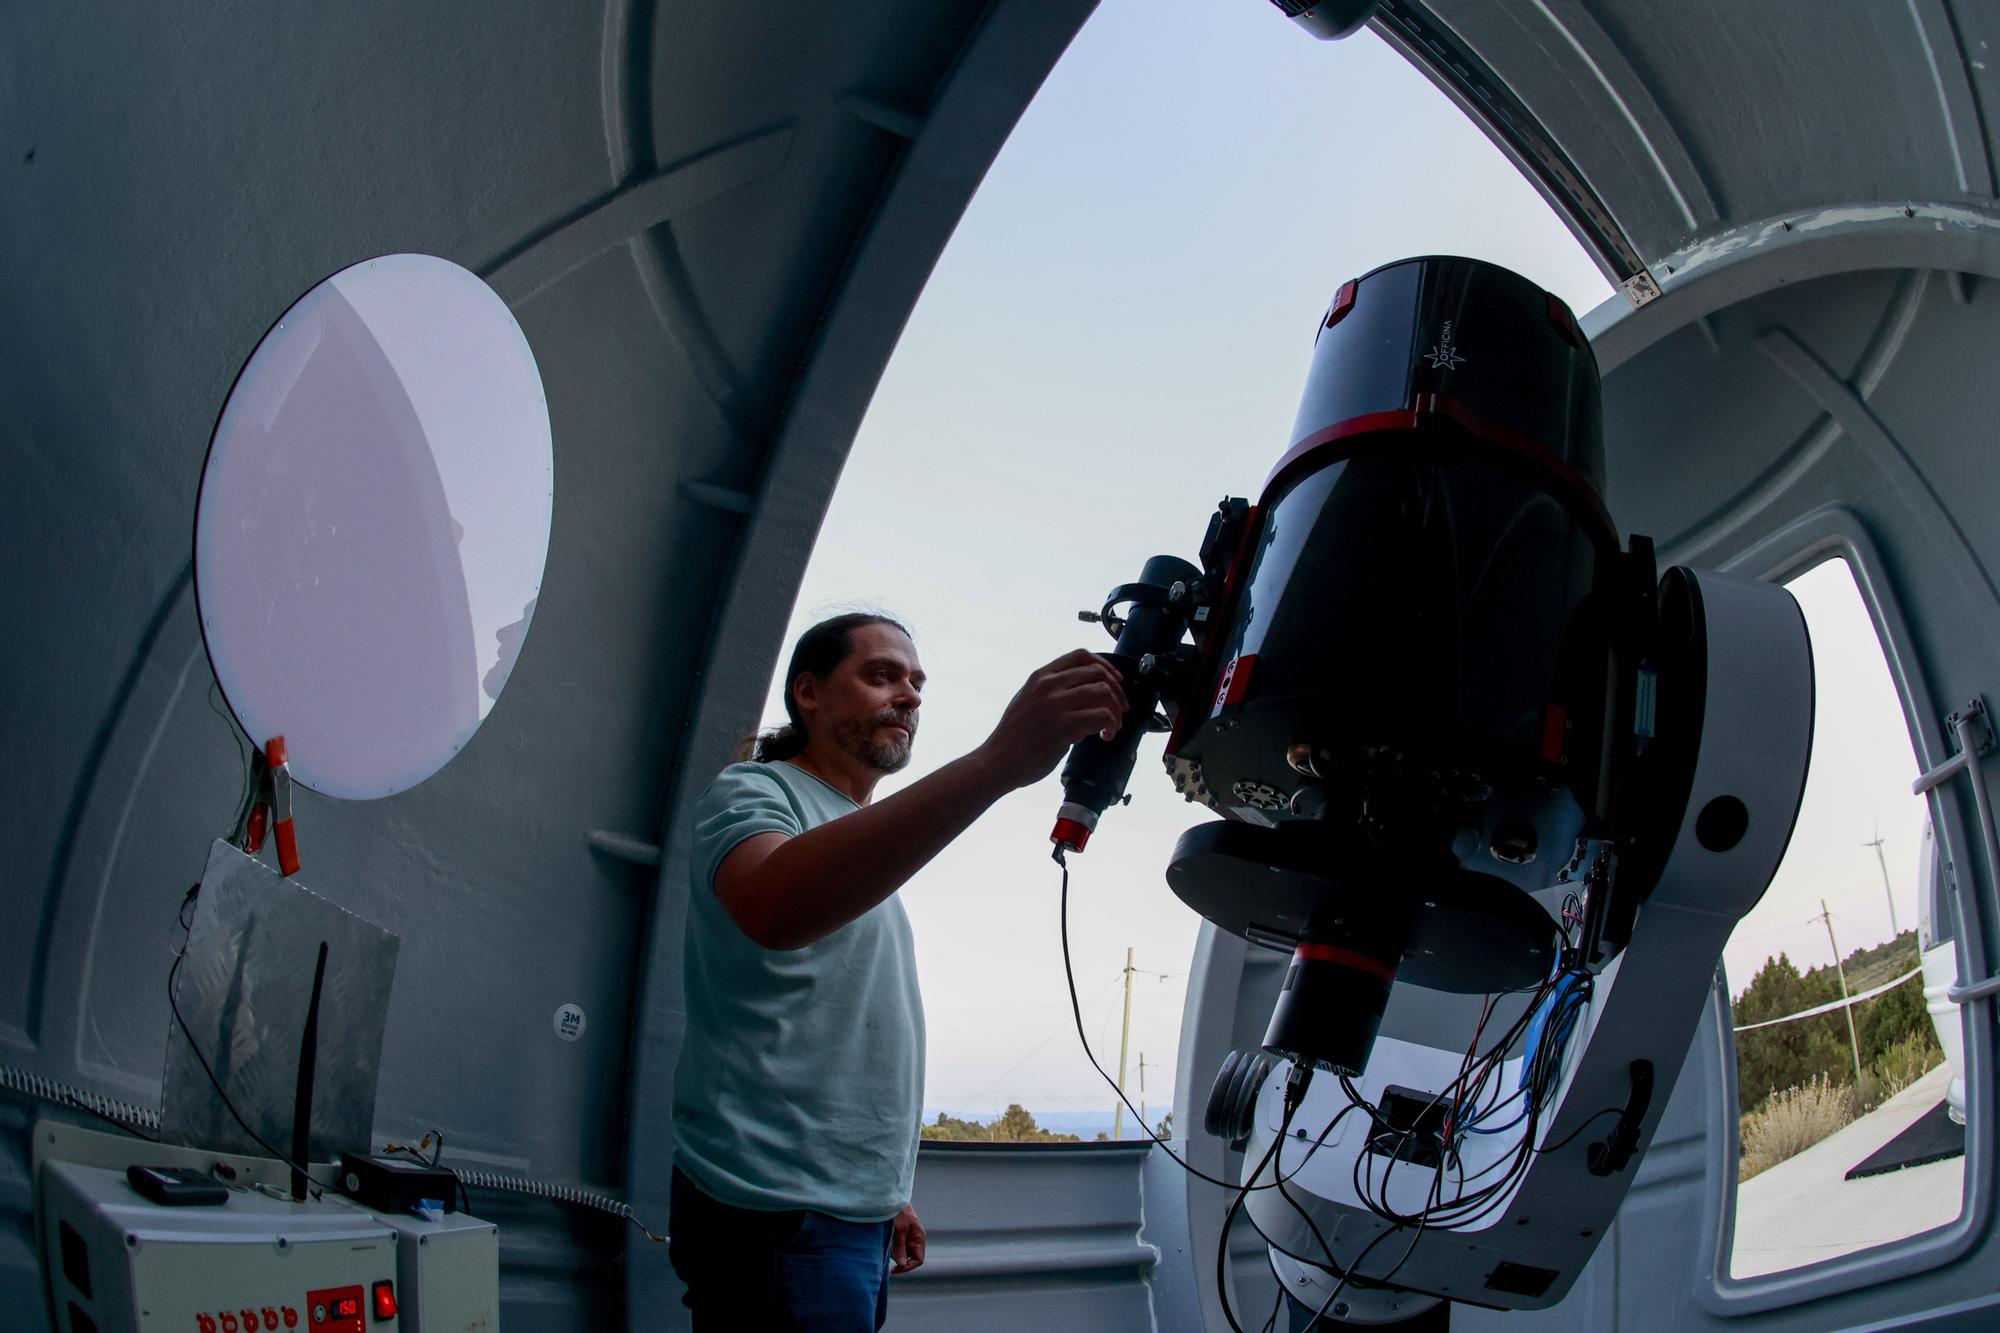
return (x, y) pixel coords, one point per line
(1894, 929)
(1145, 1125)
(1845, 1007)
(1125, 1040)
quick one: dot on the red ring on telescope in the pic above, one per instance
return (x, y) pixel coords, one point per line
(1348, 958)
(1569, 486)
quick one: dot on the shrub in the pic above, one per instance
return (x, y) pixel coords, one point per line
(1901, 1065)
(1792, 1121)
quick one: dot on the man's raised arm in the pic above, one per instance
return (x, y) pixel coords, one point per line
(788, 892)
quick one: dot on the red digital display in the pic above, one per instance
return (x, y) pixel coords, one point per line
(336, 1310)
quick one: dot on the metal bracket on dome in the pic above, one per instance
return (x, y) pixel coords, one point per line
(1968, 722)
(1974, 730)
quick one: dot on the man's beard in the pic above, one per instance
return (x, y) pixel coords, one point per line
(857, 738)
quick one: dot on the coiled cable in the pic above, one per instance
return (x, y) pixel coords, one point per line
(570, 1194)
(123, 1114)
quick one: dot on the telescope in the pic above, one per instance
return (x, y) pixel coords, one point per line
(1475, 758)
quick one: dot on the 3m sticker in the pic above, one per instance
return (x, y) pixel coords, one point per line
(570, 1022)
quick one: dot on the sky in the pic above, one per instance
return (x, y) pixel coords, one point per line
(1115, 339)
(1857, 789)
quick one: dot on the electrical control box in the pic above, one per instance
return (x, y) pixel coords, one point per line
(116, 1261)
(448, 1273)
(120, 1263)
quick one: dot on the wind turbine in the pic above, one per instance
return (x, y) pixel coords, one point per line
(1894, 929)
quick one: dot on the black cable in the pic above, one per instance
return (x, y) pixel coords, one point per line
(1313, 1226)
(1365, 1191)
(434, 1162)
(173, 1003)
(1408, 1250)
(1222, 1240)
(1537, 1087)
(1571, 1137)
(236, 735)
(1411, 1249)
(1289, 1253)
(1076, 1012)
(464, 1199)
(1341, 1285)
(1286, 1177)
(1353, 1270)
(1482, 1203)
(1294, 1094)
(1435, 1213)
(1477, 1080)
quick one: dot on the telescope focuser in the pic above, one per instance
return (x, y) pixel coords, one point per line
(1149, 658)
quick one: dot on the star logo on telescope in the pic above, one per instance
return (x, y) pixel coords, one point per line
(1444, 352)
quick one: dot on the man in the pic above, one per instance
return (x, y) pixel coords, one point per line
(799, 1091)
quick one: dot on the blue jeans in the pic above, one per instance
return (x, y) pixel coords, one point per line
(794, 1270)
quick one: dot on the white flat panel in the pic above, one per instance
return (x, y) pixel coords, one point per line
(373, 522)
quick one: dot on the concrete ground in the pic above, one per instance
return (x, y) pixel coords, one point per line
(1803, 1209)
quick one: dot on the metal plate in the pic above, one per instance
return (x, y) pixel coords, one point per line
(244, 989)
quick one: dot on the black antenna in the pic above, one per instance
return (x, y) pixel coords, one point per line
(302, 1101)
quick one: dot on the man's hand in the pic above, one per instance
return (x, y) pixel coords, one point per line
(1077, 695)
(906, 1247)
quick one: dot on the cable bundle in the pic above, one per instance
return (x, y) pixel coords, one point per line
(1472, 1098)
(1473, 1103)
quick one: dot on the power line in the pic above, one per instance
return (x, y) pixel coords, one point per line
(1773, 930)
(1060, 1029)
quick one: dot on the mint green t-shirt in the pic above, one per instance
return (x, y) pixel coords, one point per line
(800, 1082)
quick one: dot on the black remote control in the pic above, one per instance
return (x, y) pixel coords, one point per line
(176, 1185)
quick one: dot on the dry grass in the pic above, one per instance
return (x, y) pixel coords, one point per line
(1795, 1119)
(1792, 1121)
(1900, 1066)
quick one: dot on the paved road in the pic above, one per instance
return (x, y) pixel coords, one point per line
(1803, 1210)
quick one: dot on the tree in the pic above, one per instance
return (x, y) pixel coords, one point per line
(1017, 1126)
(1013, 1125)
(950, 1129)
(1790, 1055)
